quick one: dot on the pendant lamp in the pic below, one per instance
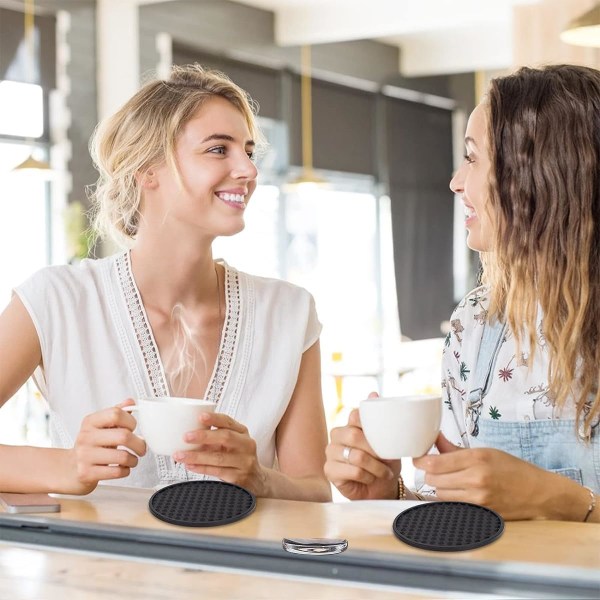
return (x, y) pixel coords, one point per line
(31, 165)
(585, 30)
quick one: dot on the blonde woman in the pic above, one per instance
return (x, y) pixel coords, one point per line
(164, 318)
(521, 364)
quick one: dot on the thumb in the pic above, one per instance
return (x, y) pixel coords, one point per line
(373, 395)
(443, 445)
(126, 402)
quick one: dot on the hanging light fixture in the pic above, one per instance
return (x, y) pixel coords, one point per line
(307, 177)
(31, 165)
(585, 30)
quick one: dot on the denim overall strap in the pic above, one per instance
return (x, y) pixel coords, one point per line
(491, 340)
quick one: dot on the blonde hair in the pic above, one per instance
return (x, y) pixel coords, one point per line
(144, 133)
(544, 190)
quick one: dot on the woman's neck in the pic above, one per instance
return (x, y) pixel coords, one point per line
(180, 273)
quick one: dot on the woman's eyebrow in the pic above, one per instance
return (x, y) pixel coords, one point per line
(470, 140)
(224, 137)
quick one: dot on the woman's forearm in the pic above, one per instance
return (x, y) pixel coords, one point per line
(28, 469)
(311, 489)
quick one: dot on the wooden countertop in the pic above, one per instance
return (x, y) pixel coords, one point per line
(366, 524)
(542, 548)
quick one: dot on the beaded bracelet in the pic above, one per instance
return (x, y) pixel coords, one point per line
(592, 505)
(401, 489)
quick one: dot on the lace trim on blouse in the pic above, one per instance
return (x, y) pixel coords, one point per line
(143, 333)
(229, 336)
(168, 469)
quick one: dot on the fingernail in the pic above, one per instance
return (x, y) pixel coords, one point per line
(188, 437)
(204, 417)
(178, 456)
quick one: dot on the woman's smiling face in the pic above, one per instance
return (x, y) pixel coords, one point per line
(214, 155)
(470, 182)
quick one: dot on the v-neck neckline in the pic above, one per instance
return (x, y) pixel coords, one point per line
(149, 348)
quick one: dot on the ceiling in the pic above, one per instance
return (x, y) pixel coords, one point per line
(434, 36)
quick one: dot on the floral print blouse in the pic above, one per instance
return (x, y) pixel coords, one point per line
(519, 390)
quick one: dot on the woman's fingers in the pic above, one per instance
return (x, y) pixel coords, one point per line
(227, 452)
(94, 464)
(94, 456)
(111, 438)
(358, 458)
(350, 436)
(96, 473)
(222, 421)
(342, 473)
(106, 446)
(108, 418)
(216, 458)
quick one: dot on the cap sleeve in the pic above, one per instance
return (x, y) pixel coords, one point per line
(33, 293)
(313, 325)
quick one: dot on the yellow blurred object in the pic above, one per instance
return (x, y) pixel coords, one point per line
(337, 357)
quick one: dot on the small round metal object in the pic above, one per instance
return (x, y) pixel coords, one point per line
(202, 503)
(448, 526)
(314, 545)
(346, 453)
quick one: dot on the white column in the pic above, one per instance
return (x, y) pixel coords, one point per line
(118, 54)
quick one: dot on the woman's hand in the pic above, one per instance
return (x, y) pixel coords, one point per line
(227, 452)
(98, 453)
(353, 467)
(513, 487)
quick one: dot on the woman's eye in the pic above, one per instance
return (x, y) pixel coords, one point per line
(251, 155)
(217, 150)
(469, 158)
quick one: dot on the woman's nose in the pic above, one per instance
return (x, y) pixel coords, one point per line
(245, 168)
(456, 183)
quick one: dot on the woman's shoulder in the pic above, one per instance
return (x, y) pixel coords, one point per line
(67, 277)
(476, 301)
(273, 287)
(471, 311)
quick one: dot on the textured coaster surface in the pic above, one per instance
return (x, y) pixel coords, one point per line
(202, 503)
(448, 526)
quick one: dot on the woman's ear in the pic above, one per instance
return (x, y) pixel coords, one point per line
(147, 180)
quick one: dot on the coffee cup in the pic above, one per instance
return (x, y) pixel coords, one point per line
(401, 426)
(163, 421)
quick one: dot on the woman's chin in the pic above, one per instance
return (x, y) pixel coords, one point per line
(475, 242)
(232, 229)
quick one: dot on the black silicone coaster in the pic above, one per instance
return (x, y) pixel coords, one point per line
(448, 526)
(202, 503)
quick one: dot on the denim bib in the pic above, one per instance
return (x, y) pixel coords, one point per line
(551, 444)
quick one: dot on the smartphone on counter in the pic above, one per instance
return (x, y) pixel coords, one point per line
(28, 503)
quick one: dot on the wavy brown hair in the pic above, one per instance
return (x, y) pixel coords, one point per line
(544, 140)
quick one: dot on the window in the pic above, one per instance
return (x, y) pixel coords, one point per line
(25, 237)
(22, 113)
(331, 242)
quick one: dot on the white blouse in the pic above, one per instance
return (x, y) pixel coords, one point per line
(98, 349)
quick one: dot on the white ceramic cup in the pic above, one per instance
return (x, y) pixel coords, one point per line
(401, 426)
(164, 420)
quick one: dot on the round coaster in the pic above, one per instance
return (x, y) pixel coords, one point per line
(202, 503)
(448, 526)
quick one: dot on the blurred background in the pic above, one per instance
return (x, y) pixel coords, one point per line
(364, 106)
